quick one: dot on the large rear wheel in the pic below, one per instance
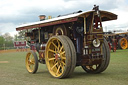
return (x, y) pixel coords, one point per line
(60, 56)
(98, 68)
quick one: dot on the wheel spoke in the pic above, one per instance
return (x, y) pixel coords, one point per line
(63, 63)
(50, 59)
(51, 50)
(62, 67)
(28, 55)
(54, 66)
(58, 69)
(63, 57)
(61, 49)
(54, 45)
(62, 52)
(29, 63)
(91, 68)
(32, 60)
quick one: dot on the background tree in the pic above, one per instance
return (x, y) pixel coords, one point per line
(8, 43)
(21, 35)
(2, 41)
(16, 38)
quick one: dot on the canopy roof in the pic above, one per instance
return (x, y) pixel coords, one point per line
(105, 16)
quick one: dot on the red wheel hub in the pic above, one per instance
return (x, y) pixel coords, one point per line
(56, 56)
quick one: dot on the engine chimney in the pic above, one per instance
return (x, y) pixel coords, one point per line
(42, 17)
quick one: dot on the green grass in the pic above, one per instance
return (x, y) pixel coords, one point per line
(15, 73)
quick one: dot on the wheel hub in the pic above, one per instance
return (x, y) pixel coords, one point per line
(57, 57)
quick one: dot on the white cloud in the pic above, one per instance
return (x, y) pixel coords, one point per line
(7, 27)
(14, 12)
(122, 21)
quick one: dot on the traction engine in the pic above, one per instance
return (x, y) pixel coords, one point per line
(67, 41)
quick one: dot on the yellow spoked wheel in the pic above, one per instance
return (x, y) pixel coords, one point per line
(123, 43)
(98, 68)
(31, 62)
(60, 56)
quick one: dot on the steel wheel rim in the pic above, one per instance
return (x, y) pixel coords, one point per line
(30, 62)
(55, 57)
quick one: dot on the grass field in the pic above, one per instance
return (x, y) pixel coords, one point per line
(13, 72)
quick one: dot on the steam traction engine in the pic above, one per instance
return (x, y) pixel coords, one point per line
(68, 41)
(117, 40)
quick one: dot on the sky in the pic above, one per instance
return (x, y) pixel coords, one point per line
(16, 12)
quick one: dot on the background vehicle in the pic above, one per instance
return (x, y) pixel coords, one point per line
(117, 40)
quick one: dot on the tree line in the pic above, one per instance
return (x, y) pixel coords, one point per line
(7, 41)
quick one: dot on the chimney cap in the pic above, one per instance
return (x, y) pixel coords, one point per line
(42, 15)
